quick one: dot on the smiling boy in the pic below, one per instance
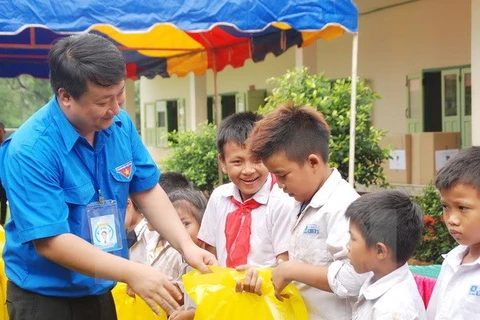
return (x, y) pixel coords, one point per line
(247, 220)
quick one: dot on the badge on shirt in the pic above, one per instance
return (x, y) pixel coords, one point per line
(474, 290)
(312, 229)
(104, 223)
(125, 169)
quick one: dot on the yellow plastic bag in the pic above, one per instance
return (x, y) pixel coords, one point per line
(129, 308)
(3, 279)
(216, 299)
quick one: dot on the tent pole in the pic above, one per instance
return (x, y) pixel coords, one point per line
(353, 112)
(216, 115)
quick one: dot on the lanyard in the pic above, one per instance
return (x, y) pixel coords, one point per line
(94, 174)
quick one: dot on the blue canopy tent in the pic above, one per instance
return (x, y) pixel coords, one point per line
(174, 37)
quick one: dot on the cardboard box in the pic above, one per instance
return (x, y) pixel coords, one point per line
(398, 169)
(430, 151)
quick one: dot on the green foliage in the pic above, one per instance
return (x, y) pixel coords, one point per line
(20, 97)
(195, 155)
(332, 98)
(436, 240)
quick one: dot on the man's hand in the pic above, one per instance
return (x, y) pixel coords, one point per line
(199, 258)
(252, 282)
(155, 288)
(280, 278)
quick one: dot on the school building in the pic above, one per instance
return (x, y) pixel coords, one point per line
(421, 56)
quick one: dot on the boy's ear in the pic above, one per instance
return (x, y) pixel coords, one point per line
(382, 250)
(313, 160)
(222, 164)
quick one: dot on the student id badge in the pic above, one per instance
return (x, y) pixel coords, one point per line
(104, 225)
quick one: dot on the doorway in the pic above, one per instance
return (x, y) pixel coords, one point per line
(440, 100)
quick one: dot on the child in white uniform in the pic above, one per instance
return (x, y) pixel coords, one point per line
(270, 213)
(457, 291)
(293, 142)
(384, 230)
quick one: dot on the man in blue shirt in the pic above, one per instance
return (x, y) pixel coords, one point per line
(68, 172)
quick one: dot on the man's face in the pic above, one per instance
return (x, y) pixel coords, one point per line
(95, 109)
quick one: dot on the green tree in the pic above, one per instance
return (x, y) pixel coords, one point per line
(332, 98)
(20, 97)
(195, 155)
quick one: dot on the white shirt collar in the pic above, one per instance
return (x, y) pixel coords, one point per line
(261, 196)
(323, 194)
(372, 291)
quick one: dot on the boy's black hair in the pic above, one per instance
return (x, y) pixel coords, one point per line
(84, 57)
(236, 128)
(389, 217)
(193, 200)
(171, 181)
(298, 131)
(461, 169)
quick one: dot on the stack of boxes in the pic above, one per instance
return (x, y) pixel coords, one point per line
(417, 157)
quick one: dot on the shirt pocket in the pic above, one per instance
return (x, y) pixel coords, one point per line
(123, 172)
(79, 194)
(313, 250)
(470, 306)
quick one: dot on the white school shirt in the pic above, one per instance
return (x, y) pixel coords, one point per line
(456, 295)
(394, 296)
(143, 251)
(320, 236)
(270, 228)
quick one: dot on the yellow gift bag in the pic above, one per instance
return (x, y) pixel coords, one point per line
(129, 308)
(3, 279)
(216, 299)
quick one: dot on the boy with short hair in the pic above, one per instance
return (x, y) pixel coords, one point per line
(171, 181)
(246, 221)
(457, 291)
(293, 142)
(384, 229)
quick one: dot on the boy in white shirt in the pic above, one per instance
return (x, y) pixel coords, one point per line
(384, 229)
(246, 221)
(293, 142)
(456, 294)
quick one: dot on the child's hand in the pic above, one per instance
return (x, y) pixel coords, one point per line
(280, 279)
(182, 314)
(252, 282)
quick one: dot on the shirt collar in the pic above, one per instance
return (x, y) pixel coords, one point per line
(69, 134)
(323, 194)
(261, 196)
(454, 258)
(372, 291)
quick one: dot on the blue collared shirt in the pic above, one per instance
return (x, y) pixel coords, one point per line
(50, 174)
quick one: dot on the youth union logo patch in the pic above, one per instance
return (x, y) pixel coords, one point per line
(311, 229)
(125, 169)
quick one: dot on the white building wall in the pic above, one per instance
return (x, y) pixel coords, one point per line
(399, 41)
(476, 72)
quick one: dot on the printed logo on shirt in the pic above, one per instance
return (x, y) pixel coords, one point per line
(475, 290)
(311, 229)
(125, 169)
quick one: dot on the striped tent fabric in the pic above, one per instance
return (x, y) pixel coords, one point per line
(171, 36)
